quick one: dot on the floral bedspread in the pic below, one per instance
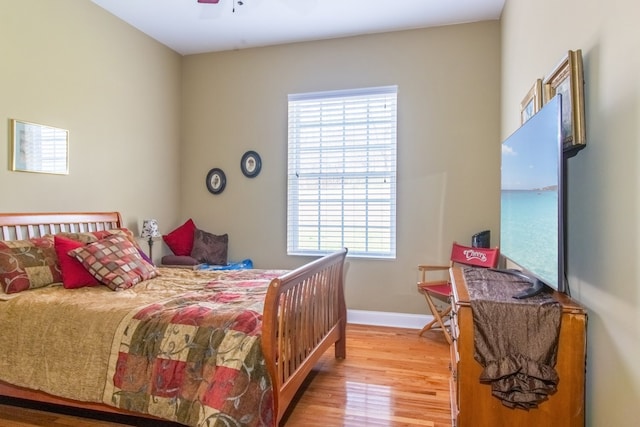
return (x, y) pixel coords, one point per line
(196, 358)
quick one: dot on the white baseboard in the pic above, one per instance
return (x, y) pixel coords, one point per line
(383, 318)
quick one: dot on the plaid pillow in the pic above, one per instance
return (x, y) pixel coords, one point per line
(94, 236)
(115, 262)
(28, 264)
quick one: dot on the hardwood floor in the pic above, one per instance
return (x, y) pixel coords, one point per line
(391, 377)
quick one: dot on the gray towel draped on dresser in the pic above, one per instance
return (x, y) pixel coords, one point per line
(516, 341)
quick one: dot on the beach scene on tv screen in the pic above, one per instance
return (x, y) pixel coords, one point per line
(529, 204)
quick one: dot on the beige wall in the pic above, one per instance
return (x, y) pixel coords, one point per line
(70, 64)
(448, 144)
(604, 197)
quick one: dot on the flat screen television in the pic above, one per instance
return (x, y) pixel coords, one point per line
(532, 210)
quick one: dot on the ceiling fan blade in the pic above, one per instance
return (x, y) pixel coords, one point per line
(208, 1)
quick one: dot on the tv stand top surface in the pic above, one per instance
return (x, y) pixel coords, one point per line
(461, 293)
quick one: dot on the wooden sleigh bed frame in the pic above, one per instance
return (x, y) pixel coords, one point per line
(304, 312)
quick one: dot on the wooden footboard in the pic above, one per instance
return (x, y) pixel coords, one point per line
(304, 314)
(304, 311)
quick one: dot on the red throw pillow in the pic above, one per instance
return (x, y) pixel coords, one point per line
(180, 240)
(74, 275)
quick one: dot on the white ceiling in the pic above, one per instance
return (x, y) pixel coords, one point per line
(189, 27)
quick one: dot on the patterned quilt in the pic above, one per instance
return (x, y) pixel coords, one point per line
(184, 346)
(196, 358)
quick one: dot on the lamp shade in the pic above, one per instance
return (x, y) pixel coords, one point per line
(149, 229)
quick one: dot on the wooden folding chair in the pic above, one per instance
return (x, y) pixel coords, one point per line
(441, 289)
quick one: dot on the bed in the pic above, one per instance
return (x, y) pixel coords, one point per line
(278, 322)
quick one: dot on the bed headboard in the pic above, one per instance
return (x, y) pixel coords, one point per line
(18, 226)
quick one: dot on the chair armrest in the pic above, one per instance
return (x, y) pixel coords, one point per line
(423, 267)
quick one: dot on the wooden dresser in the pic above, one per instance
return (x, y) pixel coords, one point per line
(472, 404)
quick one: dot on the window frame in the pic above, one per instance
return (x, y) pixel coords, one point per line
(379, 146)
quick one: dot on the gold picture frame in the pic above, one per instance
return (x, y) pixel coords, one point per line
(39, 148)
(567, 79)
(532, 102)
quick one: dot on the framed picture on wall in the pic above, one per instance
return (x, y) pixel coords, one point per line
(567, 79)
(216, 181)
(39, 148)
(250, 164)
(532, 102)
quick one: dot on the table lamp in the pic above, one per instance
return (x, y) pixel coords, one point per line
(149, 231)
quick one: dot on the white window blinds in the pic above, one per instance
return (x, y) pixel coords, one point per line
(342, 172)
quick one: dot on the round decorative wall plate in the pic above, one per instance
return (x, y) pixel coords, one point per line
(216, 181)
(251, 164)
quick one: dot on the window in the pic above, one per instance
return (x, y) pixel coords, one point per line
(342, 172)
